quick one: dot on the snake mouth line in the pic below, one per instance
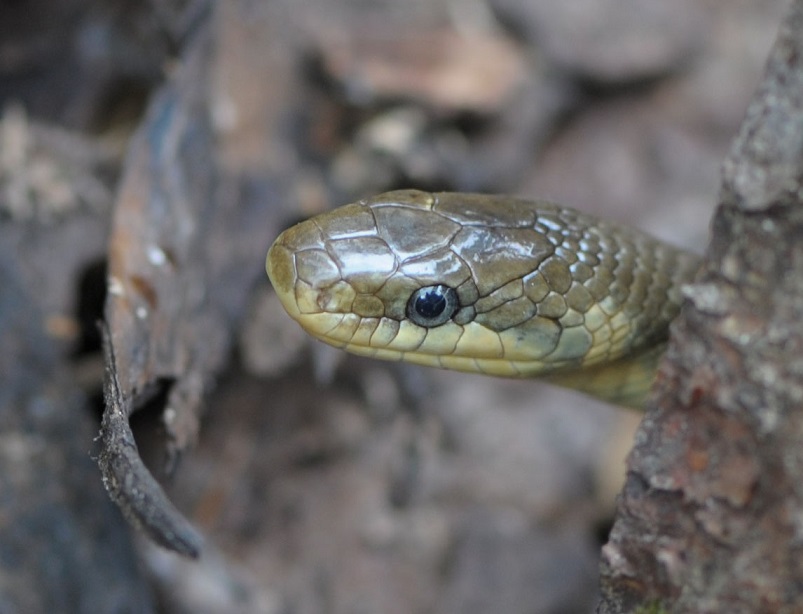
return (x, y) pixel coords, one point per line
(416, 351)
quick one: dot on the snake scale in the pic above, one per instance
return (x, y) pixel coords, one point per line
(488, 284)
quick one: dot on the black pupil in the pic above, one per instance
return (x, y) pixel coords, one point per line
(430, 304)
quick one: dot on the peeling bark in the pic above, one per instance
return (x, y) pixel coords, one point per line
(181, 266)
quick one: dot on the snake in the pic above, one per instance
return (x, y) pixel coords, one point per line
(486, 283)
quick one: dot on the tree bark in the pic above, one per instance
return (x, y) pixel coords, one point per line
(711, 516)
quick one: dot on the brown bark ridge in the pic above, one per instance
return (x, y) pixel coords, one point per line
(711, 516)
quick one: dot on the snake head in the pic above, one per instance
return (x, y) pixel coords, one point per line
(475, 283)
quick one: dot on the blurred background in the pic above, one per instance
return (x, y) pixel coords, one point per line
(325, 483)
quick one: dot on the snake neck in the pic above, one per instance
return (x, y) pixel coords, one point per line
(625, 382)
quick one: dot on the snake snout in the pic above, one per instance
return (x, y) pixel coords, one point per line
(307, 280)
(280, 268)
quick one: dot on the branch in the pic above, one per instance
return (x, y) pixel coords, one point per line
(711, 516)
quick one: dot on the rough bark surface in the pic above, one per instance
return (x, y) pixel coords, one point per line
(710, 516)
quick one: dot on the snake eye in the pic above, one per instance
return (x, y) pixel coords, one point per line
(432, 305)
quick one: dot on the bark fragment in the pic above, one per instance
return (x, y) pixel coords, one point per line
(181, 265)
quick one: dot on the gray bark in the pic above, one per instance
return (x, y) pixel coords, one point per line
(710, 516)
